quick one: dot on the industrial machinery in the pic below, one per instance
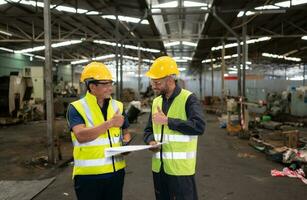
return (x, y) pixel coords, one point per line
(299, 101)
(15, 92)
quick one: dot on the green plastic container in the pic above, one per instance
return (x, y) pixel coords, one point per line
(266, 118)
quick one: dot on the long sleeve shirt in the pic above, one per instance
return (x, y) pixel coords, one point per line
(194, 125)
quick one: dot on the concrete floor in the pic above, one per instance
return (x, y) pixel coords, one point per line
(227, 169)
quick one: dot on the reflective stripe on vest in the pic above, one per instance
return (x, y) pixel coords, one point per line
(97, 142)
(87, 112)
(93, 162)
(174, 138)
(175, 155)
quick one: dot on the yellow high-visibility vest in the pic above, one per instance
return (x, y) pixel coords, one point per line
(89, 157)
(179, 152)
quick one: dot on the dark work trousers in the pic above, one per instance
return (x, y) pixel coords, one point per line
(90, 188)
(168, 187)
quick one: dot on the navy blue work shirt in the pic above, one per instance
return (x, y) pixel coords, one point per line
(194, 125)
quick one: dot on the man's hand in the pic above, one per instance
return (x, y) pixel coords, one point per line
(126, 137)
(154, 149)
(117, 120)
(159, 118)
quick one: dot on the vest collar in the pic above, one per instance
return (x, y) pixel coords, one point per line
(92, 98)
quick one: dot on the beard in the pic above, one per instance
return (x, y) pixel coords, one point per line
(159, 92)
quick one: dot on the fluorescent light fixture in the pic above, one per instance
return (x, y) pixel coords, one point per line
(66, 43)
(6, 49)
(187, 58)
(40, 57)
(2, 2)
(284, 4)
(208, 60)
(126, 19)
(131, 57)
(298, 2)
(234, 68)
(71, 9)
(5, 33)
(252, 41)
(109, 56)
(269, 55)
(105, 42)
(181, 69)
(247, 13)
(232, 72)
(81, 11)
(182, 59)
(175, 43)
(127, 46)
(55, 45)
(79, 61)
(147, 60)
(193, 4)
(104, 57)
(38, 48)
(92, 13)
(296, 78)
(192, 44)
(174, 4)
(267, 7)
(171, 4)
(172, 44)
(219, 58)
(304, 37)
(156, 10)
(26, 54)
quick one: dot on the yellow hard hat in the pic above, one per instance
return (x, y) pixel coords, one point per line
(162, 67)
(96, 71)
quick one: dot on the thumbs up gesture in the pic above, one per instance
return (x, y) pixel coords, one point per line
(159, 117)
(117, 119)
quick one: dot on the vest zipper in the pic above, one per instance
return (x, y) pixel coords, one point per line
(111, 146)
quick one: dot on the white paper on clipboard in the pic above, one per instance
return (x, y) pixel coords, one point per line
(129, 148)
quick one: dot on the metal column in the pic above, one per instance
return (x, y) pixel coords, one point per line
(244, 57)
(72, 75)
(116, 56)
(200, 83)
(223, 70)
(48, 83)
(212, 76)
(121, 71)
(304, 75)
(239, 68)
(139, 67)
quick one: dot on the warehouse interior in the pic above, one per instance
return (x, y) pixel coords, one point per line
(246, 61)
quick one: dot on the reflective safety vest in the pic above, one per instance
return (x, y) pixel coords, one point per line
(89, 157)
(179, 153)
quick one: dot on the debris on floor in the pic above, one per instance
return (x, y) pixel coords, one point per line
(298, 173)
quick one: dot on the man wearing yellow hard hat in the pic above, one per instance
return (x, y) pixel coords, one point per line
(177, 119)
(96, 122)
